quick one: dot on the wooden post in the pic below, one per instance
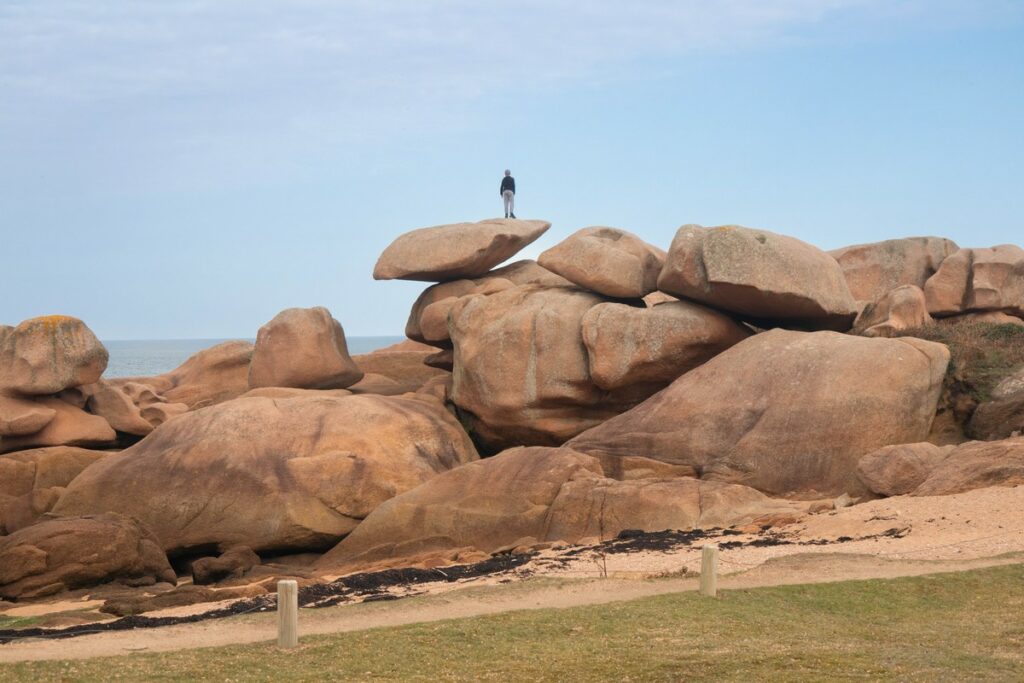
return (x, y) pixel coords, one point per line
(287, 613)
(709, 570)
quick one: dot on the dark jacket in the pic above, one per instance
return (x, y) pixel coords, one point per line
(507, 183)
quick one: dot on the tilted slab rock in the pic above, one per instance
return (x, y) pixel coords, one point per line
(654, 346)
(769, 279)
(273, 474)
(976, 465)
(453, 252)
(787, 413)
(70, 426)
(41, 468)
(873, 270)
(56, 555)
(303, 348)
(20, 416)
(608, 261)
(521, 374)
(903, 308)
(405, 363)
(898, 470)
(47, 355)
(978, 280)
(544, 493)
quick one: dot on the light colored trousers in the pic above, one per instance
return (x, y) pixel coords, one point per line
(510, 201)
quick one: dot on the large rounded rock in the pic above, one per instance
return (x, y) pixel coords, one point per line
(303, 348)
(898, 470)
(70, 426)
(976, 465)
(47, 355)
(19, 416)
(1002, 415)
(211, 376)
(873, 270)
(543, 493)
(521, 374)
(452, 252)
(272, 474)
(608, 261)
(654, 346)
(772, 280)
(978, 280)
(903, 308)
(56, 555)
(787, 413)
(42, 468)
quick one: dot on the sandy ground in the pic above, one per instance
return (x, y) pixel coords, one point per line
(947, 533)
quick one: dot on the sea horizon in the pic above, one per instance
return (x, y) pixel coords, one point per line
(147, 357)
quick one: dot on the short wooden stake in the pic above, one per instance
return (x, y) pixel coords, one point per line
(709, 570)
(287, 613)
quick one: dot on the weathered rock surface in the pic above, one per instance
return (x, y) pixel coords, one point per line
(898, 470)
(452, 252)
(787, 413)
(233, 563)
(544, 493)
(769, 279)
(130, 407)
(653, 346)
(901, 309)
(61, 554)
(873, 270)
(445, 294)
(27, 509)
(273, 474)
(19, 416)
(608, 261)
(42, 468)
(47, 355)
(521, 371)
(976, 465)
(993, 317)
(404, 363)
(214, 375)
(978, 280)
(1003, 415)
(70, 426)
(302, 348)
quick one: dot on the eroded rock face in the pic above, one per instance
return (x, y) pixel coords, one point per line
(976, 465)
(873, 270)
(273, 474)
(19, 416)
(978, 280)
(544, 493)
(608, 261)
(787, 413)
(453, 252)
(233, 563)
(903, 308)
(405, 363)
(898, 470)
(769, 279)
(521, 374)
(70, 426)
(56, 555)
(47, 355)
(41, 468)
(1003, 415)
(214, 375)
(303, 348)
(629, 346)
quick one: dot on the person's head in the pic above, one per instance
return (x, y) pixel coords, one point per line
(508, 172)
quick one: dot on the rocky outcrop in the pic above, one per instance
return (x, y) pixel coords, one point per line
(214, 375)
(62, 554)
(902, 309)
(546, 494)
(27, 509)
(42, 468)
(233, 563)
(521, 373)
(978, 280)
(130, 407)
(898, 470)
(608, 261)
(873, 270)
(302, 348)
(976, 465)
(453, 252)
(992, 317)
(628, 346)
(404, 363)
(70, 426)
(768, 279)
(46, 355)
(19, 416)
(1002, 415)
(787, 413)
(272, 474)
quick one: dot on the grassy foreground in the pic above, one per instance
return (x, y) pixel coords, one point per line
(967, 625)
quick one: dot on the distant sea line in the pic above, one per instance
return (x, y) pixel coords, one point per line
(144, 357)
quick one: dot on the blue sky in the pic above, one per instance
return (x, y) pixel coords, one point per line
(187, 169)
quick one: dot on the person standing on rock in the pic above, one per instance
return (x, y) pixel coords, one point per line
(508, 193)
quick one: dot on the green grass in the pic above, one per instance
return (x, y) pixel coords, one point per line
(967, 625)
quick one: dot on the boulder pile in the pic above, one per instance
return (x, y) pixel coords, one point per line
(740, 377)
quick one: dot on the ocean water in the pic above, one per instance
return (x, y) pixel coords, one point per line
(144, 357)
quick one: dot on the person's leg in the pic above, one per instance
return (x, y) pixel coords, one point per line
(506, 198)
(512, 204)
